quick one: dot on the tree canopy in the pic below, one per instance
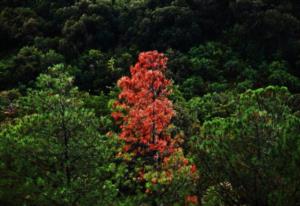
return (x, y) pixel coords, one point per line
(149, 102)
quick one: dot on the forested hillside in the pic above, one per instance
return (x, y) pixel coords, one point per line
(151, 102)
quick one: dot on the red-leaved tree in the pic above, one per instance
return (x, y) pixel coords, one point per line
(144, 113)
(143, 109)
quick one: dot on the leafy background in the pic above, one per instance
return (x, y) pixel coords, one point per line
(235, 70)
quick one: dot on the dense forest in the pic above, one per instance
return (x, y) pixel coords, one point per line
(150, 102)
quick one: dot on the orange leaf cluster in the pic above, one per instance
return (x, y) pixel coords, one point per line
(144, 108)
(191, 199)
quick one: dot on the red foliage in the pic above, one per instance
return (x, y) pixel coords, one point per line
(193, 168)
(144, 108)
(191, 199)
